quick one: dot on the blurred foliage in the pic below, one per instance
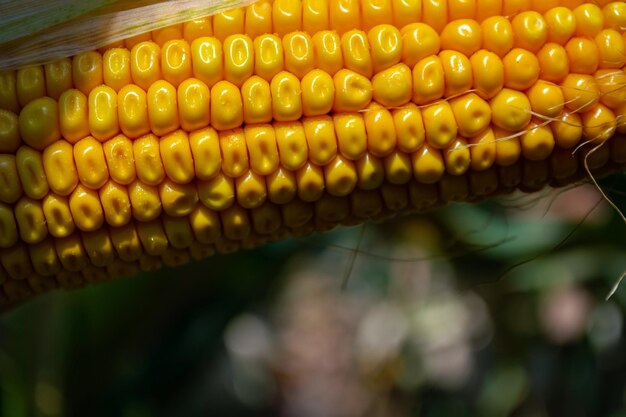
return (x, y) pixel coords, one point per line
(496, 309)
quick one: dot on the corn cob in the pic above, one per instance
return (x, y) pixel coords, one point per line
(282, 119)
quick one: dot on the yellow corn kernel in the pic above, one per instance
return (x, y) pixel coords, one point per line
(553, 62)
(90, 163)
(381, 131)
(457, 157)
(234, 152)
(30, 84)
(145, 64)
(472, 114)
(226, 106)
(428, 164)
(327, 50)
(268, 56)
(318, 92)
(30, 220)
(353, 91)
(132, 108)
(567, 130)
(71, 253)
(126, 242)
(262, 148)
(148, 163)
(103, 122)
(457, 71)
(8, 94)
(530, 31)
(56, 210)
(205, 149)
(340, 176)
(235, 223)
(435, 13)
(197, 28)
(581, 92)
(344, 15)
(589, 20)
(546, 99)
(87, 71)
(129, 43)
(144, 201)
(393, 87)
(488, 73)
(370, 171)
(521, 69)
(266, 219)
(120, 160)
(321, 140)
(10, 187)
(44, 259)
(560, 24)
(176, 61)
(15, 262)
(310, 182)
(537, 141)
(177, 199)
(58, 75)
(206, 58)
(116, 68)
(386, 46)
(611, 49)
(296, 213)
(167, 33)
(315, 16)
(256, 100)
(251, 190)
(356, 52)
(351, 135)
(510, 110)
(286, 97)
(238, 59)
(73, 115)
(398, 169)
(178, 231)
(176, 156)
(611, 82)
(162, 108)
(428, 80)
(615, 15)
(583, 55)
(8, 227)
(462, 35)
(205, 224)
(152, 237)
(439, 124)
(376, 13)
(482, 150)
(59, 167)
(292, 146)
(299, 57)
(99, 247)
(258, 18)
(86, 209)
(497, 35)
(228, 22)
(39, 123)
(9, 132)
(599, 124)
(508, 148)
(409, 128)
(31, 172)
(218, 193)
(406, 12)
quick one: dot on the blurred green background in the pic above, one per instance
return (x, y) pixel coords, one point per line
(426, 315)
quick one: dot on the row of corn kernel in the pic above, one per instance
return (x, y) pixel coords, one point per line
(147, 62)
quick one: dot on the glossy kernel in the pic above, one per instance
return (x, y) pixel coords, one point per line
(31, 172)
(386, 46)
(299, 56)
(472, 114)
(546, 98)
(39, 123)
(206, 58)
(58, 163)
(428, 80)
(118, 153)
(193, 104)
(132, 110)
(30, 84)
(226, 106)
(356, 52)
(145, 64)
(87, 71)
(176, 157)
(257, 100)
(327, 50)
(268, 56)
(321, 140)
(530, 31)
(176, 61)
(90, 163)
(286, 97)
(73, 115)
(521, 69)
(103, 121)
(439, 124)
(418, 42)
(583, 55)
(393, 87)
(318, 93)
(561, 24)
(353, 92)
(238, 59)
(497, 35)
(116, 68)
(553, 63)
(462, 35)
(457, 71)
(205, 148)
(488, 73)
(510, 110)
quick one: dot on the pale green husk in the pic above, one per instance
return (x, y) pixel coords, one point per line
(39, 31)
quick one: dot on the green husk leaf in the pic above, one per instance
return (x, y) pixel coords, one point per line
(104, 25)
